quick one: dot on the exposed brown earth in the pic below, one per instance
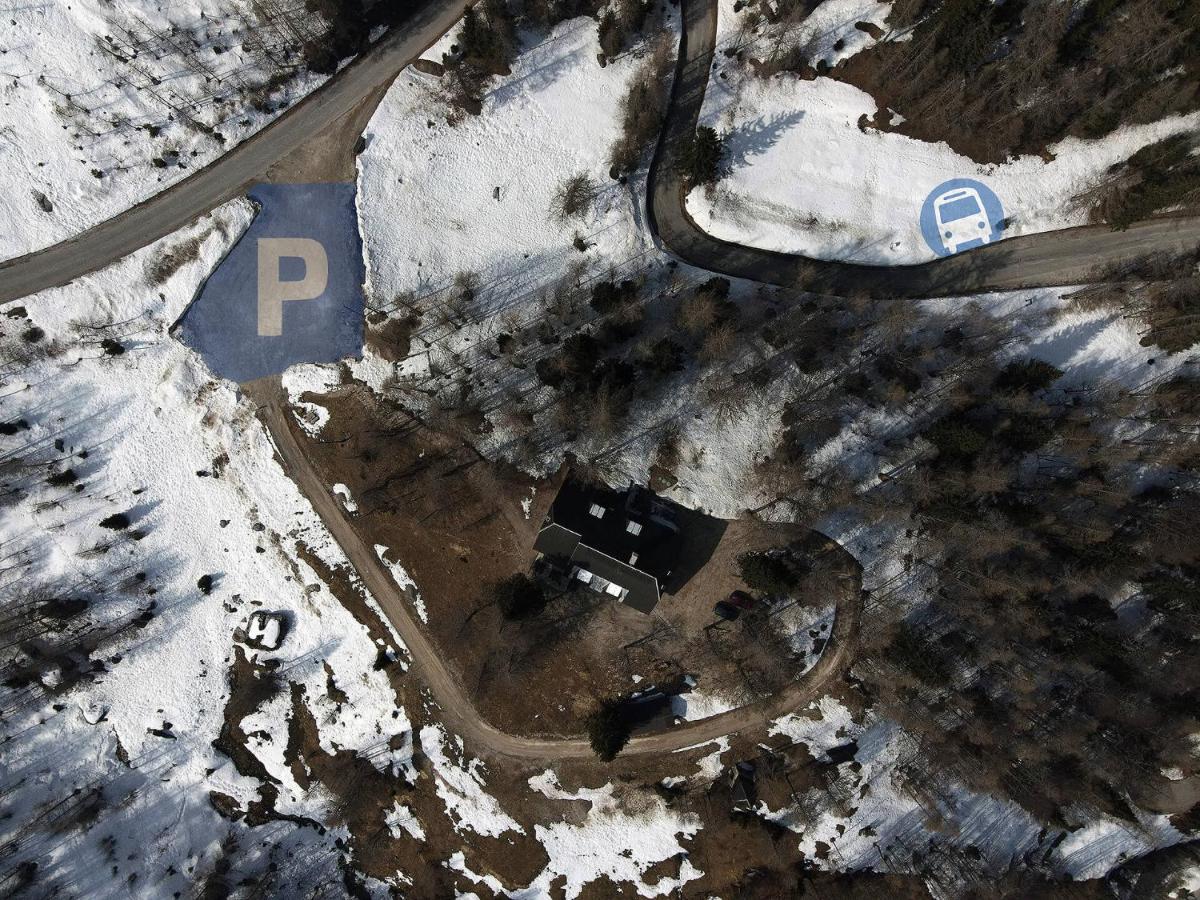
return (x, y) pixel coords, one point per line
(430, 659)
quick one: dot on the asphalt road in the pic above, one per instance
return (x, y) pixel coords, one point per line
(1052, 259)
(428, 662)
(231, 174)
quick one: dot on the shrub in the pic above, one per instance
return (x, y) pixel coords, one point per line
(574, 197)
(1025, 433)
(771, 573)
(642, 110)
(717, 287)
(608, 295)
(958, 442)
(519, 597)
(115, 522)
(487, 40)
(607, 730)
(701, 159)
(574, 362)
(615, 375)
(63, 478)
(1026, 376)
(664, 357)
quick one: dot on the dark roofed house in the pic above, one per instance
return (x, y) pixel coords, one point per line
(620, 543)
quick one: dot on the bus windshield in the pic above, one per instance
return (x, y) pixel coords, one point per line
(959, 209)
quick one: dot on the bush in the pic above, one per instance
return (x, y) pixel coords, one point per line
(115, 522)
(1156, 177)
(771, 573)
(664, 357)
(1026, 376)
(348, 33)
(488, 41)
(608, 731)
(717, 287)
(519, 597)
(958, 442)
(967, 31)
(1025, 433)
(575, 362)
(63, 478)
(642, 110)
(701, 159)
(608, 295)
(574, 197)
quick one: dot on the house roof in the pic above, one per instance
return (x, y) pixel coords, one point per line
(632, 542)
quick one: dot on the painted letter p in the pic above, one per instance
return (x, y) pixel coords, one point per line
(272, 292)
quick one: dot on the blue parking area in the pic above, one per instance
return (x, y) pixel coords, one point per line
(291, 289)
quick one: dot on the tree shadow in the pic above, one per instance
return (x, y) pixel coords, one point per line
(757, 137)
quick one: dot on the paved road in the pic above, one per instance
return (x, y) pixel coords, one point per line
(1070, 256)
(231, 174)
(428, 663)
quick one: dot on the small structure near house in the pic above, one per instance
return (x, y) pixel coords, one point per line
(726, 611)
(742, 788)
(620, 543)
(266, 630)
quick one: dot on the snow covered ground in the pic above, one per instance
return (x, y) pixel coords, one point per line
(803, 177)
(104, 104)
(612, 841)
(212, 527)
(530, 136)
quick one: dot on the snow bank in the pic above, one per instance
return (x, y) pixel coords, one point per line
(404, 580)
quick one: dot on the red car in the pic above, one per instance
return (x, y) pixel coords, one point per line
(741, 600)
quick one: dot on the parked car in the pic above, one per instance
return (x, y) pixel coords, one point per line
(726, 610)
(741, 600)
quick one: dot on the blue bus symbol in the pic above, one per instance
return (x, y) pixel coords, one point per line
(961, 214)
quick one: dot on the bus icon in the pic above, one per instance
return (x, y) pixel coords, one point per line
(962, 220)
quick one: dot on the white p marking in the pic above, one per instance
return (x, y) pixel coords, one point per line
(272, 292)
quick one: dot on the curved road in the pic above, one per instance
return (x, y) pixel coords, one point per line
(1070, 256)
(458, 712)
(231, 174)
(1053, 259)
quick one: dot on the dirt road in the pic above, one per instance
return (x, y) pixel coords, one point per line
(1056, 258)
(428, 663)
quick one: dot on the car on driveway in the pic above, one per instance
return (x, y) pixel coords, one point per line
(741, 600)
(726, 610)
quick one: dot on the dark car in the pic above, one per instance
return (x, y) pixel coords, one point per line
(741, 600)
(726, 610)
